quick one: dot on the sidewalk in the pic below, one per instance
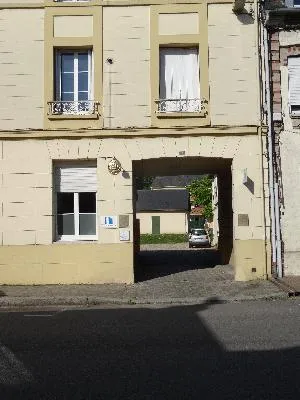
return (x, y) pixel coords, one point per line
(184, 287)
(289, 284)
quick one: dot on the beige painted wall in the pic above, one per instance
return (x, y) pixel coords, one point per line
(26, 192)
(169, 222)
(17, 2)
(126, 82)
(21, 69)
(66, 264)
(26, 187)
(24, 220)
(233, 67)
(126, 98)
(73, 26)
(252, 255)
(178, 24)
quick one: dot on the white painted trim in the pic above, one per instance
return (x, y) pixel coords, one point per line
(75, 76)
(76, 213)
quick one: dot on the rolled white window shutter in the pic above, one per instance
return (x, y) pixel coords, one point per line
(294, 80)
(76, 179)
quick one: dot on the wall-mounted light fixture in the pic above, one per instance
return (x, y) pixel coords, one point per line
(240, 7)
(114, 166)
(245, 176)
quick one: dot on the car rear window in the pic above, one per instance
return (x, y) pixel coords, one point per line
(198, 232)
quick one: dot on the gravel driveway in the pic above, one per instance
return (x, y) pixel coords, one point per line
(174, 271)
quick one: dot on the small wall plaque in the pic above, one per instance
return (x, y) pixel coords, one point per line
(123, 221)
(243, 220)
(124, 236)
(109, 221)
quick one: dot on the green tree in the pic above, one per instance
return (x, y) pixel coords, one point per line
(201, 194)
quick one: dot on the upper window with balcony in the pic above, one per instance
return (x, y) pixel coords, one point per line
(73, 83)
(179, 84)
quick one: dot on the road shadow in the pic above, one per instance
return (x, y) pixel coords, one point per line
(151, 264)
(136, 353)
(2, 294)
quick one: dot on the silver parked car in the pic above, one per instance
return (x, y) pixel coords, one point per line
(198, 238)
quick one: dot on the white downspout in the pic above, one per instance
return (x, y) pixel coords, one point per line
(278, 230)
(274, 198)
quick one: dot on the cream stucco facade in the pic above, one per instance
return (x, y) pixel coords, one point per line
(125, 42)
(170, 222)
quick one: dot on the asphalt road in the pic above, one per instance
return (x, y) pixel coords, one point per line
(210, 351)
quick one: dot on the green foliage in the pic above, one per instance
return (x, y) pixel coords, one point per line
(164, 238)
(201, 194)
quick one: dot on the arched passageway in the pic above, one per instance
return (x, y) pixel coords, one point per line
(166, 260)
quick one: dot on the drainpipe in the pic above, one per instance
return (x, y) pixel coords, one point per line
(273, 185)
(278, 232)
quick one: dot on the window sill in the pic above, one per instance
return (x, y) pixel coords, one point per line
(75, 241)
(69, 3)
(181, 115)
(54, 117)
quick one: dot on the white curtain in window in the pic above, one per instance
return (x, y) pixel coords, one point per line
(179, 73)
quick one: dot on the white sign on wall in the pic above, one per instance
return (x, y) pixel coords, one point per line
(124, 236)
(109, 221)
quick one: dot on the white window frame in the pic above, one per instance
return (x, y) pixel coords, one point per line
(58, 73)
(76, 237)
(74, 178)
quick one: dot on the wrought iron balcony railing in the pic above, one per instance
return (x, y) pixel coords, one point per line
(181, 105)
(84, 107)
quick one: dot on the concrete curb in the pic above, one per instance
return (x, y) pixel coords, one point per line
(97, 300)
(291, 291)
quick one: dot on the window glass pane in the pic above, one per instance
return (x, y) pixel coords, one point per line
(83, 81)
(65, 224)
(67, 83)
(83, 96)
(83, 62)
(87, 224)
(67, 97)
(67, 62)
(65, 203)
(87, 202)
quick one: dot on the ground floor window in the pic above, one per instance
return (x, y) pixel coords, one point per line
(76, 211)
